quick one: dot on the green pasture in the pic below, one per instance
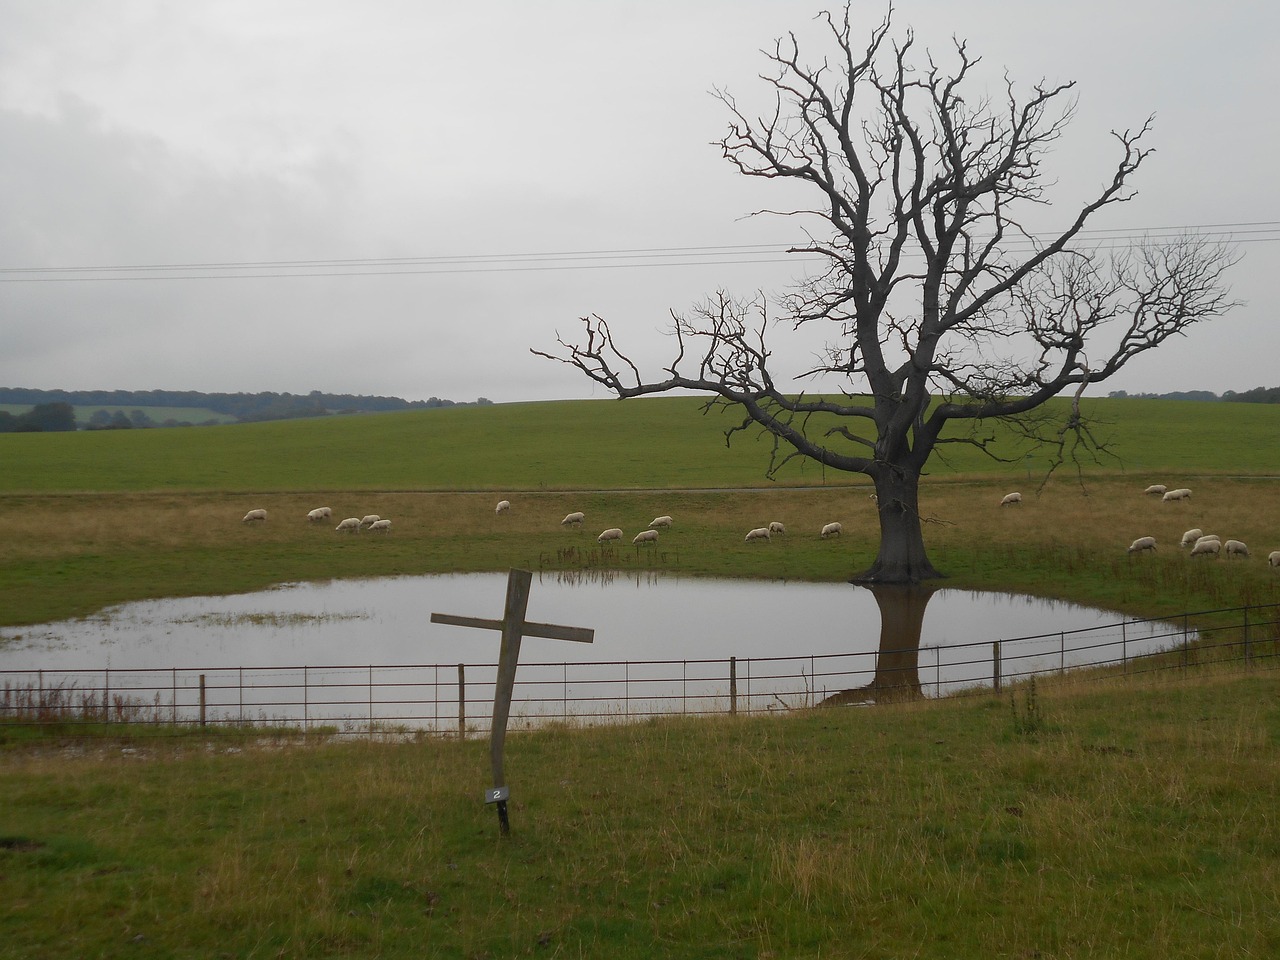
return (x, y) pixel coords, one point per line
(1089, 816)
(92, 519)
(596, 444)
(1069, 821)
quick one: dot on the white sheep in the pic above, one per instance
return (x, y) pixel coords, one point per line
(613, 533)
(646, 536)
(573, 519)
(369, 520)
(663, 521)
(1206, 547)
(1182, 493)
(1143, 544)
(254, 515)
(502, 507)
(319, 513)
(1157, 488)
(832, 530)
(1010, 499)
(380, 524)
(1273, 558)
(1236, 548)
(351, 525)
(1191, 536)
(759, 533)
(776, 527)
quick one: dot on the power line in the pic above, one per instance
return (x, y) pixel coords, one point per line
(1265, 231)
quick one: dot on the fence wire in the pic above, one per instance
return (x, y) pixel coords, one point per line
(456, 699)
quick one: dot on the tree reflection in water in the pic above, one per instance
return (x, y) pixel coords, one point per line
(897, 675)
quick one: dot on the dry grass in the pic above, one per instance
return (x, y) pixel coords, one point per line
(76, 553)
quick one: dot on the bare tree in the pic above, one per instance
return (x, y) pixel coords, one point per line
(944, 309)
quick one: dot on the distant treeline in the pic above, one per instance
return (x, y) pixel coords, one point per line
(242, 406)
(42, 418)
(1256, 395)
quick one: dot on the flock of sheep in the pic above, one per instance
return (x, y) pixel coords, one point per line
(650, 535)
(350, 525)
(1201, 544)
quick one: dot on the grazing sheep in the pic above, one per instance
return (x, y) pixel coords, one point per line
(319, 513)
(1273, 558)
(776, 527)
(1159, 488)
(370, 520)
(502, 507)
(351, 525)
(1182, 493)
(1010, 499)
(613, 533)
(383, 525)
(663, 521)
(1206, 547)
(1236, 548)
(1191, 536)
(759, 533)
(573, 519)
(831, 530)
(1142, 544)
(254, 515)
(646, 536)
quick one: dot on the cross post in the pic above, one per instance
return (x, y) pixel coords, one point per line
(514, 628)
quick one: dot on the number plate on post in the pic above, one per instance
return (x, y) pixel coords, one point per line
(496, 795)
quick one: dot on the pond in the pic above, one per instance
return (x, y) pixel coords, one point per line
(794, 642)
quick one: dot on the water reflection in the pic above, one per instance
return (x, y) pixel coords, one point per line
(636, 616)
(366, 649)
(897, 670)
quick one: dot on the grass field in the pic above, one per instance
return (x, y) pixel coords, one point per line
(578, 445)
(1078, 818)
(91, 519)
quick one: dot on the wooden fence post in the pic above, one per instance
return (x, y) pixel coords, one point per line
(995, 665)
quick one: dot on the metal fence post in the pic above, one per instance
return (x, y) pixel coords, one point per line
(995, 665)
(462, 702)
(733, 686)
(1246, 636)
(1124, 649)
(202, 700)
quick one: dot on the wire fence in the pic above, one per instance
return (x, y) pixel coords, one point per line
(456, 699)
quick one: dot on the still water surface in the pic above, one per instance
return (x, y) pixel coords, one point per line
(387, 621)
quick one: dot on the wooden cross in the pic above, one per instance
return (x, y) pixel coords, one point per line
(514, 628)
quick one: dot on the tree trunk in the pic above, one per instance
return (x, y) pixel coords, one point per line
(902, 557)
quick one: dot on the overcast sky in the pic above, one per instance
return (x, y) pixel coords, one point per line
(386, 183)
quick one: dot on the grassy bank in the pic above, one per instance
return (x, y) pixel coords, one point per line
(70, 555)
(1090, 821)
